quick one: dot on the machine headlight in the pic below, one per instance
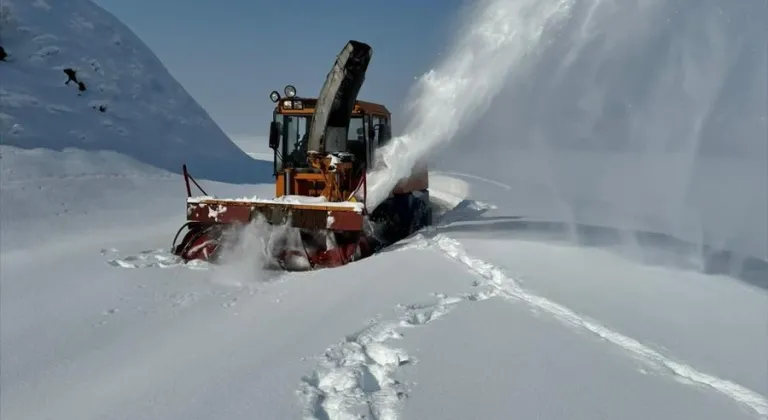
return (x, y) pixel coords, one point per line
(290, 91)
(287, 104)
(274, 96)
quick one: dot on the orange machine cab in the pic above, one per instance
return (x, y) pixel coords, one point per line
(369, 129)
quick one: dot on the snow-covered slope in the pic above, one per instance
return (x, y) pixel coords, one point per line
(255, 146)
(131, 104)
(486, 315)
(57, 148)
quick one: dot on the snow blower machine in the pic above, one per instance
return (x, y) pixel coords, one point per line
(322, 149)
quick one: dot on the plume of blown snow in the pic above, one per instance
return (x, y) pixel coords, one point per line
(245, 258)
(641, 115)
(248, 255)
(496, 39)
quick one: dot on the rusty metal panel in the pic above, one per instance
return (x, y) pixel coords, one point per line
(275, 215)
(344, 220)
(218, 213)
(309, 219)
(233, 214)
(300, 217)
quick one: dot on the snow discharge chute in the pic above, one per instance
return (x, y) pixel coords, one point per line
(333, 110)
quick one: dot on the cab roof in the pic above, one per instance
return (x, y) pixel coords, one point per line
(309, 104)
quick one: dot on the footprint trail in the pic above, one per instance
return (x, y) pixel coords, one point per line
(357, 378)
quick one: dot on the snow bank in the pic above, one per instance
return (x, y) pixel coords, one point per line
(639, 115)
(131, 104)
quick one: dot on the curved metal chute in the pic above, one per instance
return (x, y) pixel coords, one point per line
(330, 122)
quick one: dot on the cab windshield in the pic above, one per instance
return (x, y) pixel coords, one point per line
(294, 131)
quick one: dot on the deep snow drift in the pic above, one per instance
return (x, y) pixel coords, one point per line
(486, 315)
(131, 104)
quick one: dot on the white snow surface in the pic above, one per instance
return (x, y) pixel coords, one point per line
(453, 323)
(485, 315)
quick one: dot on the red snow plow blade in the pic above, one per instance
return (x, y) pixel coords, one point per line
(331, 216)
(305, 235)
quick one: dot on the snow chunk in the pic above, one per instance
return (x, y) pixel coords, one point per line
(385, 356)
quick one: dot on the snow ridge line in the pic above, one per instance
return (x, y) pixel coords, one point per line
(356, 378)
(507, 287)
(98, 176)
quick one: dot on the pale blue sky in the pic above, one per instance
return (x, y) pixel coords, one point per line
(230, 55)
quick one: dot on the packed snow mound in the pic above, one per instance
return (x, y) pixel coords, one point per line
(131, 104)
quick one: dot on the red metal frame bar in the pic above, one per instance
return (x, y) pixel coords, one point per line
(187, 178)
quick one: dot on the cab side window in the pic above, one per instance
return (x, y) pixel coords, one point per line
(384, 134)
(376, 140)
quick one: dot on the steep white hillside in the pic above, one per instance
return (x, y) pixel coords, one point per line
(131, 104)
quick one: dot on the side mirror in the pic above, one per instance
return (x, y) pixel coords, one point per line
(274, 135)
